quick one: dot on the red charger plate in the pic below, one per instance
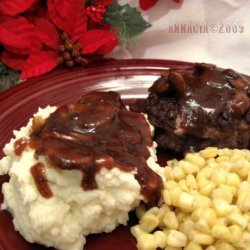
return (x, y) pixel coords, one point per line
(129, 77)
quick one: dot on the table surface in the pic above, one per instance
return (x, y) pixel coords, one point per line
(214, 31)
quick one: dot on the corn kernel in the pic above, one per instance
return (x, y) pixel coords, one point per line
(235, 234)
(160, 238)
(209, 215)
(244, 243)
(210, 160)
(168, 173)
(170, 184)
(201, 201)
(163, 209)
(220, 232)
(186, 201)
(221, 207)
(223, 158)
(136, 231)
(222, 221)
(244, 187)
(181, 216)
(195, 159)
(222, 193)
(221, 245)
(187, 226)
(219, 176)
(172, 163)
(182, 184)
(209, 152)
(233, 179)
(242, 167)
(175, 195)
(178, 173)
(232, 189)
(172, 248)
(202, 182)
(193, 246)
(170, 220)
(235, 209)
(197, 214)
(238, 219)
(149, 222)
(225, 152)
(202, 226)
(243, 201)
(188, 167)
(201, 238)
(210, 248)
(207, 171)
(191, 182)
(208, 188)
(153, 210)
(166, 197)
(146, 242)
(176, 239)
(201, 176)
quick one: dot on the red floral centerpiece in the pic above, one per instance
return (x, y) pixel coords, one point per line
(38, 35)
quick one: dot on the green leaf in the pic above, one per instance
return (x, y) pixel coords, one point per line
(8, 77)
(127, 20)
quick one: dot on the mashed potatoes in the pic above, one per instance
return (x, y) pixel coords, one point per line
(64, 220)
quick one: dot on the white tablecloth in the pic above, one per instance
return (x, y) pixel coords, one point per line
(224, 38)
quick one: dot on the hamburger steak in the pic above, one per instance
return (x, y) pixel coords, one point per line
(200, 106)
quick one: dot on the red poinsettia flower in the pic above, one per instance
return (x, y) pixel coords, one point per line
(14, 7)
(19, 40)
(147, 4)
(48, 39)
(103, 2)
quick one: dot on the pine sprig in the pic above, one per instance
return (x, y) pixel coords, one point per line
(127, 20)
(8, 77)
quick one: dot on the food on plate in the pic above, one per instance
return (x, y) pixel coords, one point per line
(206, 204)
(79, 169)
(200, 106)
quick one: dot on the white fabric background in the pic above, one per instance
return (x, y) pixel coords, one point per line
(229, 50)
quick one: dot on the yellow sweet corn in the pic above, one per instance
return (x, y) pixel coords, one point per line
(187, 226)
(206, 204)
(221, 207)
(243, 201)
(235, 234)
(160, 238)
(170, 220)
(188, 167)
(178, 173)
(201, 238)
(221, 245)
(208, 188)
(146, 242)
(186, 201)
(195, 159)
(193, 246)
(222, 193)
(209, 152)
(176, 239)
(137, 231)
(149, 222)
(191, 182)
(220, 232)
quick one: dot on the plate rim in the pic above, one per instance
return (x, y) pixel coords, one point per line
(114, 65)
